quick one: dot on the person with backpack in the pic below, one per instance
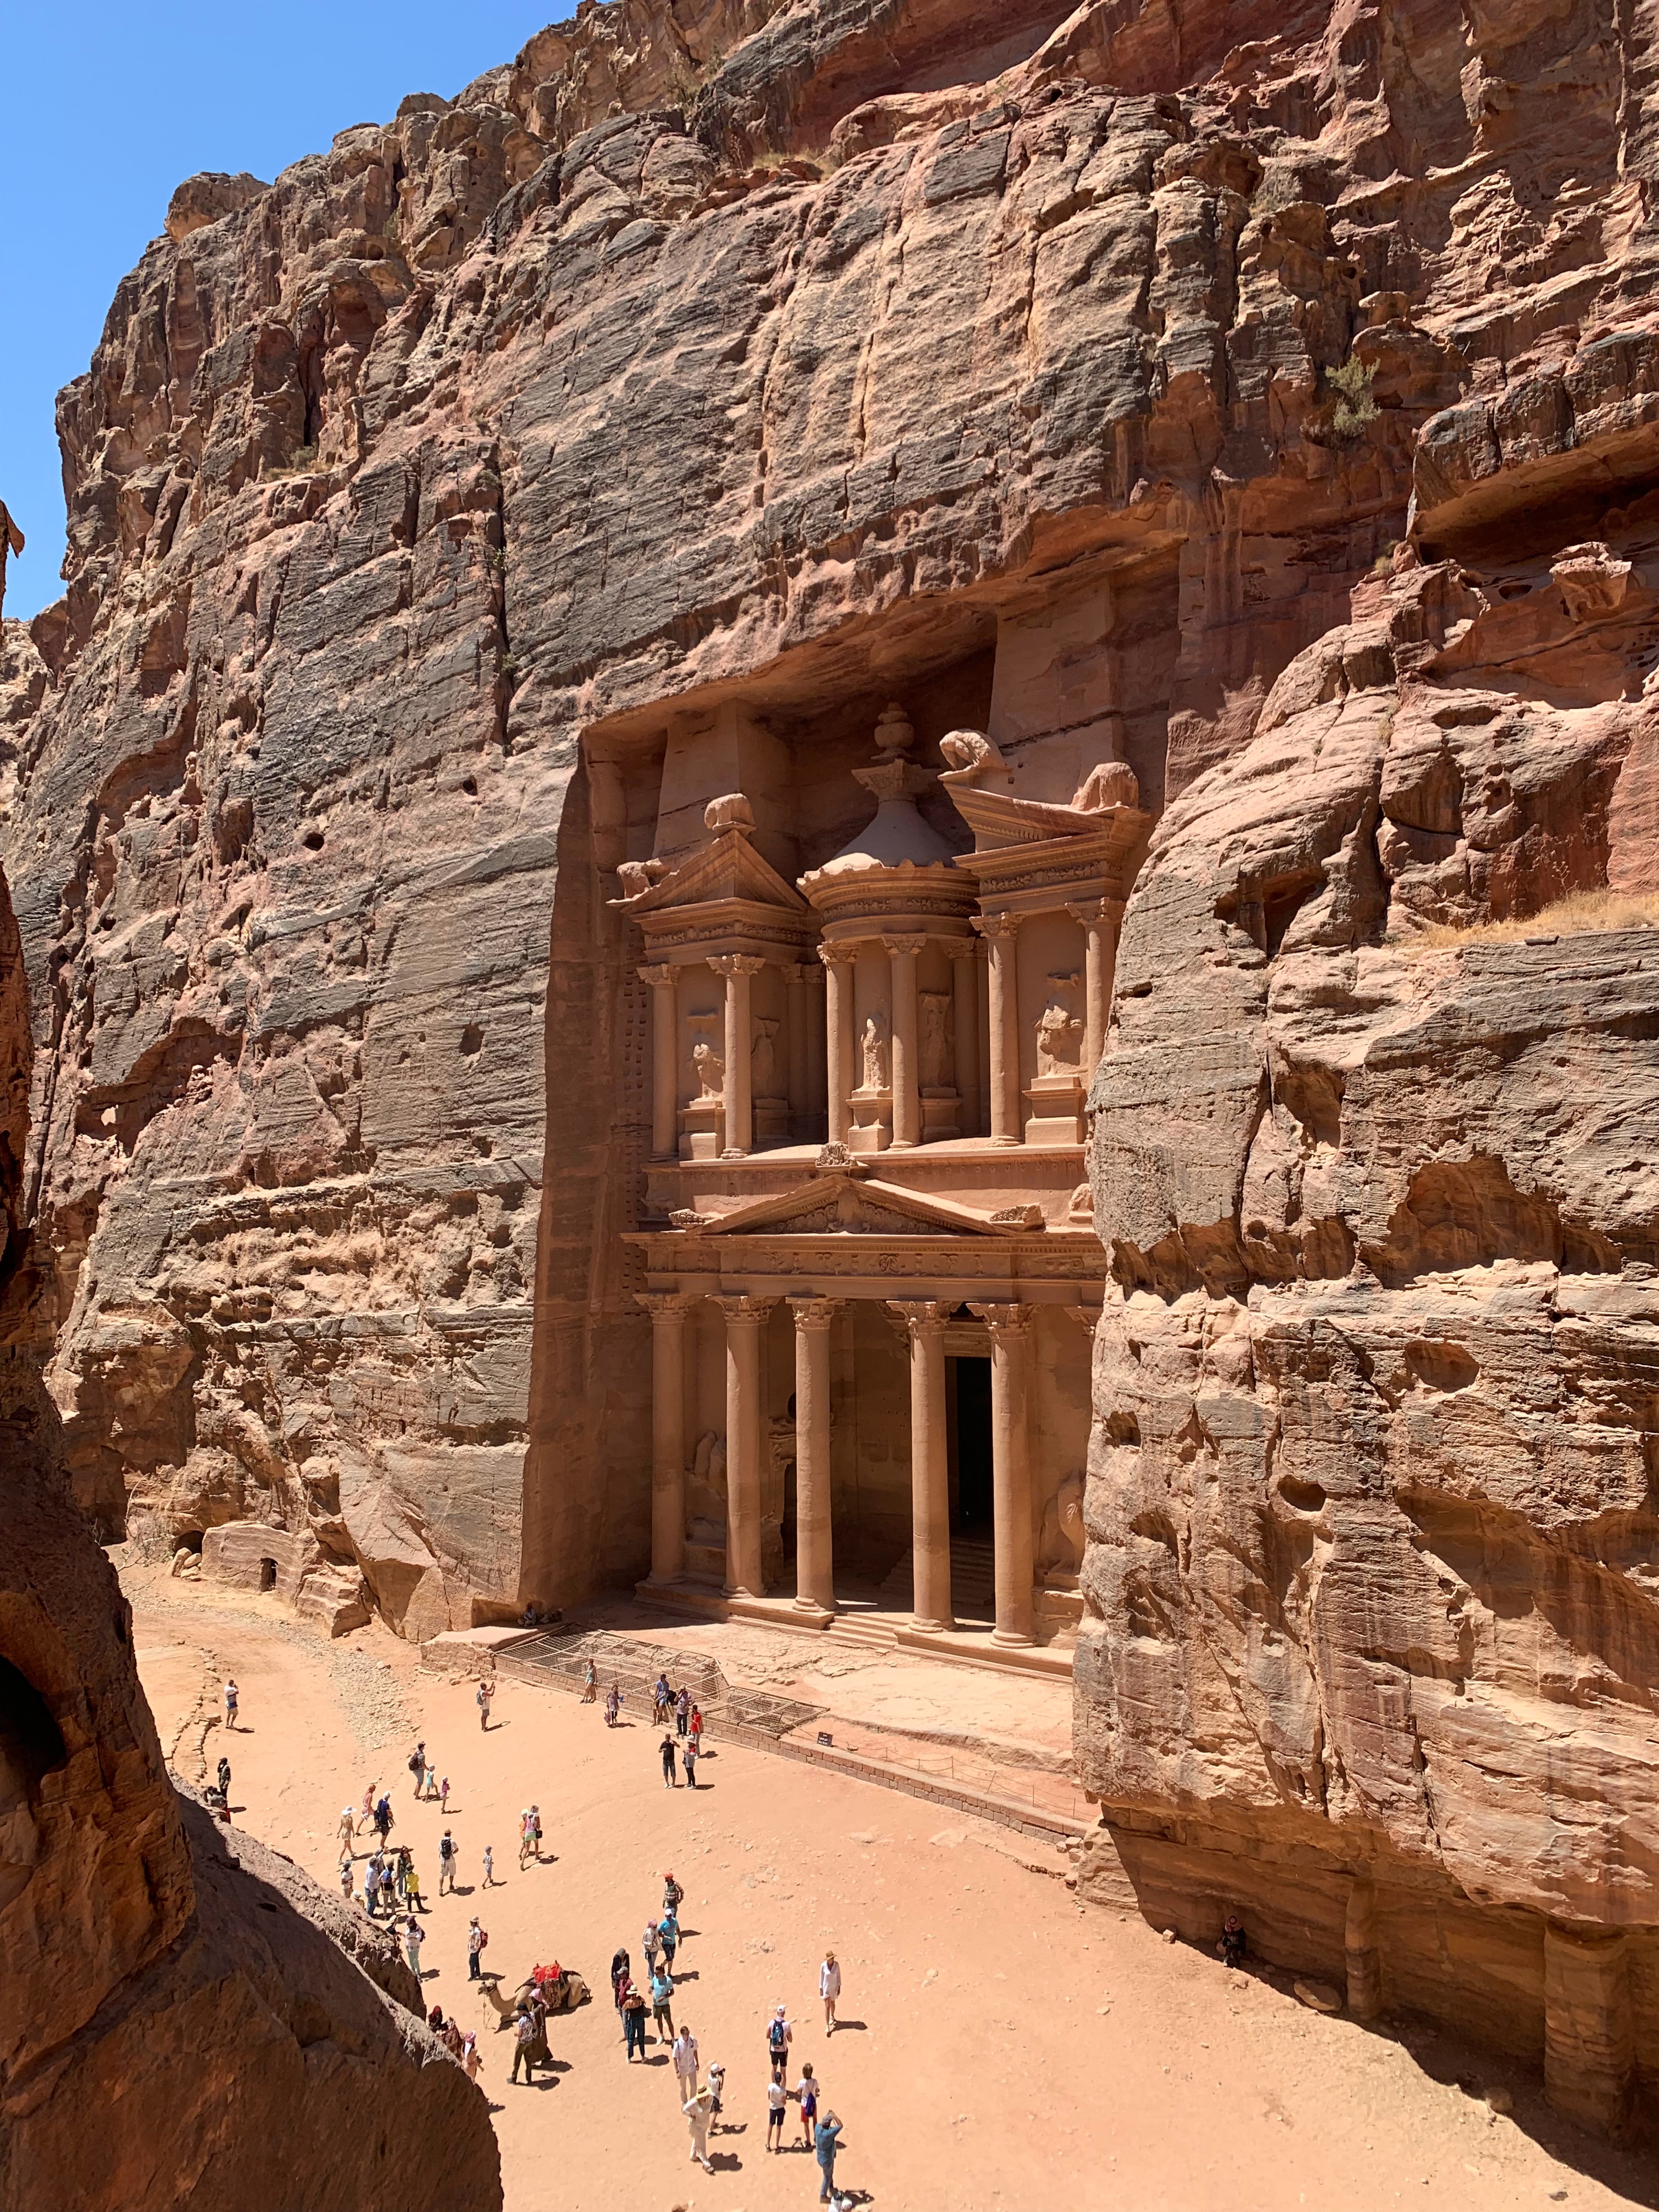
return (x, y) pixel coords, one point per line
(778, 2037)
(484, 1695)
(383, 1820)
(621, 1977)
(673, 1895)
(418, 1768)
(445, 1861)
(477, 1939)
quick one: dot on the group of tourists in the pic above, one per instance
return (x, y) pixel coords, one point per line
(460, 2045)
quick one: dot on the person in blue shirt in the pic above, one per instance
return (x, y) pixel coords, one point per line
(827, 2142)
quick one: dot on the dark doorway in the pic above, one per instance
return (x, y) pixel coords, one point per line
(267, 1574)
(970, 1486)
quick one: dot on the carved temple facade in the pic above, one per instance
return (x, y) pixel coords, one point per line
(865, 1240)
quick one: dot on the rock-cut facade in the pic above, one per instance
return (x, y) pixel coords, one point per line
(853, 809)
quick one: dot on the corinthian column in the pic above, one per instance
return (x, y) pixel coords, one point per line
(665, 1085)
(815, 1571)
(1100, 919)
(907, 1100)
(667, 1309)
(745, 1404)
(838, 1035)
(930, 1465)
(1011, 1467)
(1000, 931)
(738, 968)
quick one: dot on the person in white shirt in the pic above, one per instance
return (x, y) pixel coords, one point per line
(685, 2062)
(829, 1988)
(698, 2109)
(777, 2107)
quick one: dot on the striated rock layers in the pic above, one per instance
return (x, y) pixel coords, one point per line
(1268, 395)
(188, 2020)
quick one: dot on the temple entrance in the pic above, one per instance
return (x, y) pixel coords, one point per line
(969, 1417)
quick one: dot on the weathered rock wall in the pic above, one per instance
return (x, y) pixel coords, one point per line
(178, 2000)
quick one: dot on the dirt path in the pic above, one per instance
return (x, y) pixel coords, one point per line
(1005, 2047)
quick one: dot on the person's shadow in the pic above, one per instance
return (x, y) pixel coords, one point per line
(725, 2162)
(862, 2026)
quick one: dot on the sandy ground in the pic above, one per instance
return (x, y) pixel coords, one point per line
(1003, 2046)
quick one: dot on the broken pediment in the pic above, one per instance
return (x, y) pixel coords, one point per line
(728, 870)
(842, 1202)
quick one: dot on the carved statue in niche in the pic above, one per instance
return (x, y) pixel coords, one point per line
(710, 1067)
(705, 1490)
(873, 1047)
(1059, 1029)
(935, 1007)
(763, 1059)
(1061, 1552)
(1111, 783)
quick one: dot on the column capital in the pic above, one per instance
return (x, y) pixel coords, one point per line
(792, 971)
(737, 1307)
(922, 1316)
(661, 1304)
(1004, 1320)
(997, 925)
(657, 976)
(814, 1313)
(1090, 910)
(838, 953)
(903, 941)
(736, 964)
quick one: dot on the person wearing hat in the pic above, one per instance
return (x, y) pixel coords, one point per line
(829, 1988)
(826, 2139)
(699, 2109)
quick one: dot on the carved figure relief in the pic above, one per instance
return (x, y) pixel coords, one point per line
(873, 1047)
(1061, 1552)
(1059, 1029)
(971, 755)
(705, 1490)
(936, 1026)
(710, 1069)
(763, 1059)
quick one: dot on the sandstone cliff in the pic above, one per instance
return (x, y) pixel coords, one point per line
(188, 2020)
(791, 357)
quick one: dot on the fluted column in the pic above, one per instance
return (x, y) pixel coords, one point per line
(664, 1070)
(965, 1004)
(745, 1400)
(1100, 918)
(815, 1568)
(667, 1309)
(738, 968)
(930, 1464)
(1010, 1327)
(838, 1035)
(1000, 932)
(906, 1098)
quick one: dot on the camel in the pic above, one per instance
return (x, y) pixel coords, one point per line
(564, 1996)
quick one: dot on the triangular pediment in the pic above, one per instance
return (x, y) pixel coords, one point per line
(845, 1204)
(998, 820)
(728, 867)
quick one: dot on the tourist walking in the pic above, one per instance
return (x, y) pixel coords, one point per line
(405, 1868)
(443, 1795)
(650, 1946)
(682, 1712)
(662, 2004)
(368, 1807)
(475, 1940)
(414, 1936)
(621, 1968)
(667, 1750)
(485, 1693)
(346, 1871)
(673, 1895)
(630, 2004)
(527, 1835)
(699, 2111)
(232, 1698)
(778, 2037)
(716, 2086)
(826, 2139)
(777, 2107)
(685, 2062)
(489, 1866)
(590, 1683)
(668, 1934)
(524, 2042)
(445, 1861)
(688, 1761)
(383, 1819)
(348, 1827)
(613, 1704)
(661, 1698)
(807, 2097)
(694, 1728)
(535, 1830)
(417, 1767)
(829, 1988)
(372, 1884)
(412, 1888)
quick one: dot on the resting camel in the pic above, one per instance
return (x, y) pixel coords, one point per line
(563, 1996)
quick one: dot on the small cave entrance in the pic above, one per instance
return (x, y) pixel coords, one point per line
(267, 1574)
(31, 1743)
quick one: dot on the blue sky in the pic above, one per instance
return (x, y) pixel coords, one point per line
(105, 105)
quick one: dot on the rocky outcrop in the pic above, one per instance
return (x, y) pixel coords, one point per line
(179, 2001)
(1373, 1619)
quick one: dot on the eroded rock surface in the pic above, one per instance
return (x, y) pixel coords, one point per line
(188, 2019)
